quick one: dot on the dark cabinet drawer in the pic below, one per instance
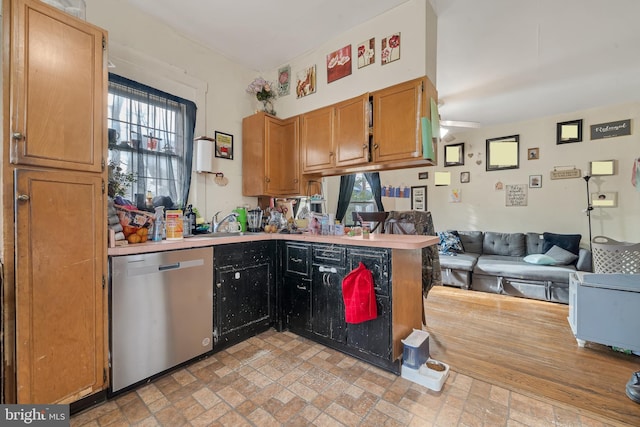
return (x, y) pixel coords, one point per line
(376, 260)
(297, 259)
(243, 254)
(329, 255)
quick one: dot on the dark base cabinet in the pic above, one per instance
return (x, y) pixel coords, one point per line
(374, 336)
(244, 291)
(313, 305)
(296, 304)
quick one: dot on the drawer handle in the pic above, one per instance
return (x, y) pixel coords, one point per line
(297, 260)
(301, 287)
(327, 269)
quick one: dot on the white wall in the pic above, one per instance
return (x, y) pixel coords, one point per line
(417, 59)
(558, 206)
(145, 50)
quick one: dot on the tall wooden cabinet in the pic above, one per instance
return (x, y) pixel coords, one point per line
(54, 178)
(270, 156)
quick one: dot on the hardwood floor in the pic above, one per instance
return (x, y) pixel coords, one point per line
(527, 346)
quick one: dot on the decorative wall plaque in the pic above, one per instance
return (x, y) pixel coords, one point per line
(611, 129)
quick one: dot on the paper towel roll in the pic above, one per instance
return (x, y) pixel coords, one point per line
(204, 155)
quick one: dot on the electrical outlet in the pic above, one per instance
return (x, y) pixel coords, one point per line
(423, 175)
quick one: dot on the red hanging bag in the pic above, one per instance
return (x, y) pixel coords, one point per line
(359, 295)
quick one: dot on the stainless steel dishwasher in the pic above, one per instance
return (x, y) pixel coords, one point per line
(161, 312)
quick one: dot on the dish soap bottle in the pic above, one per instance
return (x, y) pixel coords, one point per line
(190, 217)
(158, 225)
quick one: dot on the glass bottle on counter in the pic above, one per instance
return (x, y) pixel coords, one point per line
(158, 225)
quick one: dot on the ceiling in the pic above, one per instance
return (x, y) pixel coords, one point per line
(499, 61)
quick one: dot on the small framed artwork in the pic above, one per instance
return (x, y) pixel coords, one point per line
(535, 181)
(465, 177)
(604, 199)
(569, 132)
(224, 145)
(367, 52)
(339, 64)
(454, 154)
(419, 198)
(284, 80)
(533, 153)
(390, 49)
(306, 81)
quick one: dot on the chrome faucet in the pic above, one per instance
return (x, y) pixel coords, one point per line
(214, 221)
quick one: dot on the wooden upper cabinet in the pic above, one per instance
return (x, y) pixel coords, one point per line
(282, 157)
(60, 254)
(270, 156)
(396, 122)
(58, 77)
(351, 131)
(316, 140)
(335, 136)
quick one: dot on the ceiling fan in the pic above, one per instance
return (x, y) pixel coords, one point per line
(446, 136)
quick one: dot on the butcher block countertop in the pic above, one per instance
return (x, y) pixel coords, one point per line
(392, 241)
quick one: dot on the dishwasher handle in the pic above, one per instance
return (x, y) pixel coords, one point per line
(169, 266)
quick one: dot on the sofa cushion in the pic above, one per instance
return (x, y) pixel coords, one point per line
(516, 268)
(561, 256)
(569, 242)
(449, 242)
(535, 243)
(465, 261)
(540, 259)
(507, 244)
(471, 241)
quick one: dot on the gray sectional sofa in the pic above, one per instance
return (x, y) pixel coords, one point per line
(494, 262)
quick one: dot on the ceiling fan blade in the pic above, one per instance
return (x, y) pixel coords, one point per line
(459, 124)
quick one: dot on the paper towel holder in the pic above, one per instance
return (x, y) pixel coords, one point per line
(204, 154)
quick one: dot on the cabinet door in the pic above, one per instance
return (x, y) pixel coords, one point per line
(58, 88)
(373, 336)
(282, 157)
(327, 305)
(396, 123)
(242, 299)
(351, 131)
(377, 261)
(297, 303)
(60, 271)
(317, 142)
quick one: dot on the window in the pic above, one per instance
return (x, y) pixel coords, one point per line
(151, 137)
(362, 198)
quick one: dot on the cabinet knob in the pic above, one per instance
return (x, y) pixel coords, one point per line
(18, 136)
(331, 154)
(219, 285)
(23, 197)
(365, 146)
(295, 180)
(375, 146)
(266, 179)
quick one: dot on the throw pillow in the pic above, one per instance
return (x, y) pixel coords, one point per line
(561, 256)
(449, 242)
(540, 259)
(569, 242)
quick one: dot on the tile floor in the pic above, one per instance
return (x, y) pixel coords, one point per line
(281, 379)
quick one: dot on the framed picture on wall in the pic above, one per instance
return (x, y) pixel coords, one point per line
(419, 198)
(535, 181)
(224, 145)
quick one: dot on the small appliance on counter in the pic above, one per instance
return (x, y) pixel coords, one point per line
(254, 220)
(242, 217)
